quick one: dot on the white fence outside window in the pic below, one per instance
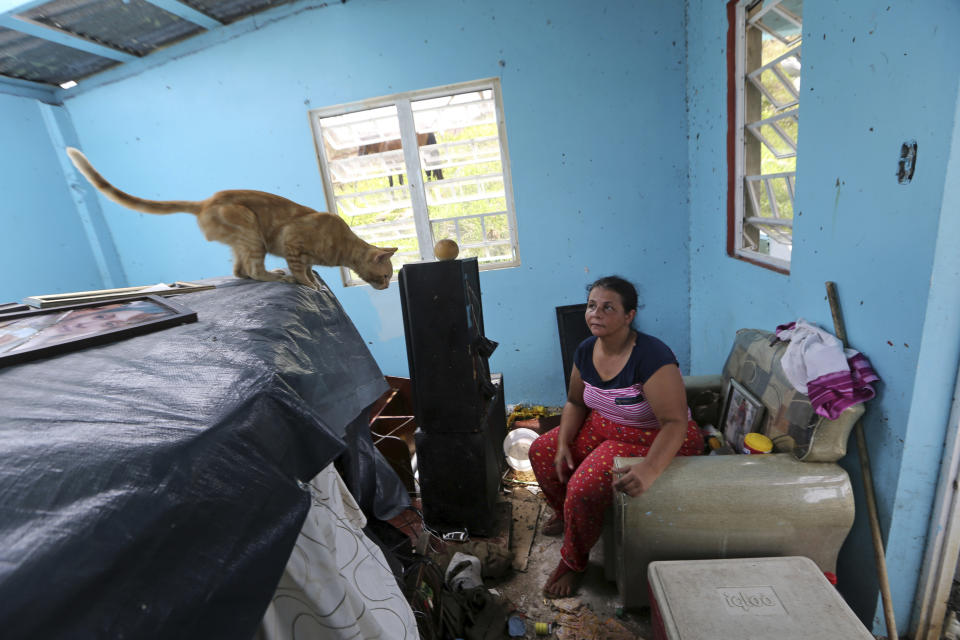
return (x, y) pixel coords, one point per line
(410, 169)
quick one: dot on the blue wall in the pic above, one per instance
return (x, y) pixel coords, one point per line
(616, 121)
(596, 155)
(874, 75)
(46, 248)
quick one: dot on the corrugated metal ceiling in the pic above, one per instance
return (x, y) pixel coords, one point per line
(55, 42)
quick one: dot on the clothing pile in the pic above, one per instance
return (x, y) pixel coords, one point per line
(447, 593)
(817, 364)
(469, 610)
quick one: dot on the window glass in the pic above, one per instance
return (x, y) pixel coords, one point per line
(768, 91)
(452, 142)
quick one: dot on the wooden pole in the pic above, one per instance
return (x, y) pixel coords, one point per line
(878, 553)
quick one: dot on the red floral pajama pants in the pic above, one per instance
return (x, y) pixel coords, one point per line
(589, 489)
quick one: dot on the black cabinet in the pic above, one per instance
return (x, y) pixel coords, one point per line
(459, 408)
(460, 473)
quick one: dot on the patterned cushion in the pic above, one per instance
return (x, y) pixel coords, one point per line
(789, 419)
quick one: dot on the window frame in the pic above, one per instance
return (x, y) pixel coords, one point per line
(736, 141)
(411, 155)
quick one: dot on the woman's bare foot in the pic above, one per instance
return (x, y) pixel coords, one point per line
(562, 582)
(553, 526)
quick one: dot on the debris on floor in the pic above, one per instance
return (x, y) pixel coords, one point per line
(537, 417)
(523, 478)
(517, 626)
(577, 621)
(515, 561)
(596, 608)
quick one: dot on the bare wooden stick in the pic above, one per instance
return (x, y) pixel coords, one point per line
(878, 553)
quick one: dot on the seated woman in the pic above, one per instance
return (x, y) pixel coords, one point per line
(626, 399)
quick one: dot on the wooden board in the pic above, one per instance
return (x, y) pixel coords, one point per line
(526, 514)
(110, 295)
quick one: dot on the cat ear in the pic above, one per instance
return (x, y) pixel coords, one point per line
(385, 254)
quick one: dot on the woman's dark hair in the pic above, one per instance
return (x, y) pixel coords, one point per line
(627, 292)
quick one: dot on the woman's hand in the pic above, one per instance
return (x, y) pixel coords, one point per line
(563, 462)
(635, 479)
(571, 419)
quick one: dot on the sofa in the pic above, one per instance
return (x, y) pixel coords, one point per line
(795, 501)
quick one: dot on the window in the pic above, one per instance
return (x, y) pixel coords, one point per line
(764, 123)
(411, 169)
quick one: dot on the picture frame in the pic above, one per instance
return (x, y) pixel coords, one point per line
(11, 307)
(123, 293)
(40, 333)
(742, 414)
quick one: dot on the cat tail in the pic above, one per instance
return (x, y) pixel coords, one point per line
(138, 204)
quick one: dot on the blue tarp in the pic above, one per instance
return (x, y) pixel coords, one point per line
(150, 488)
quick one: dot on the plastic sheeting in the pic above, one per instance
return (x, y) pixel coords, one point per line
(152, 487)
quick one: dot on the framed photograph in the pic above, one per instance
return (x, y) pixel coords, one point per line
(39, 333)
(742, 414)
(104, 295)
(10, 307)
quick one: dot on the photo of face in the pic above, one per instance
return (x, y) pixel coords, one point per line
(57, 328)
(741, 416)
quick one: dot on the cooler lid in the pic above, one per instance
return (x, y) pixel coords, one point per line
(750, 599)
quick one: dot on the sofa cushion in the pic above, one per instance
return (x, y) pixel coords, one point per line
(790, 421)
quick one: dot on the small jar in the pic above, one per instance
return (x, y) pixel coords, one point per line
(757, 443)
(543, 628)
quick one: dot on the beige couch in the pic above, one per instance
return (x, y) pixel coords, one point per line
(794, 502)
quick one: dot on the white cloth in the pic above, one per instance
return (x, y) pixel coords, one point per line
(337, 583)
(812, 353)
(817, 364)
(466, 578)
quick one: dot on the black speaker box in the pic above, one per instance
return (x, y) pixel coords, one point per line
(460, 473)
(446, 349)
(459, 407)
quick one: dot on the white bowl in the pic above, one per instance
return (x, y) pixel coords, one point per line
(516, 447)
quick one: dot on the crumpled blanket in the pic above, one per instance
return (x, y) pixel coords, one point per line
(817, 364)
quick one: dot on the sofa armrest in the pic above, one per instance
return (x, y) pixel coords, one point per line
(728, 507)
(704, 397)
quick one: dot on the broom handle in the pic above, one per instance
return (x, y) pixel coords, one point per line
(878, 553)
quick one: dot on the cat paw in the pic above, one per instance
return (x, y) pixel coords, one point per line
(283, 276)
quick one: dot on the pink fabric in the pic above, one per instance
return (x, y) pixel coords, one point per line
(817, 364)
(589, 488)
(832, 393)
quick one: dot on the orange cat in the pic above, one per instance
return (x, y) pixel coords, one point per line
(255, 223)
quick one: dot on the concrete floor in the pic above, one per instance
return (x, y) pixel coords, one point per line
(596, 597)
(524, 589)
